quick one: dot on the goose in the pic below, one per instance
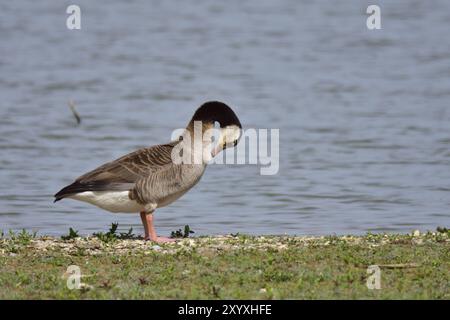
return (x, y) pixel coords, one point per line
(156, 176)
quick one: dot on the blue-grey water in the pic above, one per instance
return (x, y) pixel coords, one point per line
(364, 115)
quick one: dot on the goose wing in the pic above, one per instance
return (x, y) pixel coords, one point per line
(123, 173)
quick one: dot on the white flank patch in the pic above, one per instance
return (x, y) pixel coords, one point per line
(113, 201)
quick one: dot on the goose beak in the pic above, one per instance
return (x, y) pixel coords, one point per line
(216, 150)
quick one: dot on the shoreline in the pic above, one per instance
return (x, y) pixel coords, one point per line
(412, 266)
(94, 245)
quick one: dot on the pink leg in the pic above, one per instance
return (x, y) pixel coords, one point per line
(150, 233)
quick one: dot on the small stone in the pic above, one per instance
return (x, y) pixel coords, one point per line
(416, 233)
(156, 247)
(85, 286)
(262, 290)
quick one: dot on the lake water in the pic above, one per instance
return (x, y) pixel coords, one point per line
(364, 115)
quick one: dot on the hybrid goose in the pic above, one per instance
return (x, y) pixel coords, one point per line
(154, 177)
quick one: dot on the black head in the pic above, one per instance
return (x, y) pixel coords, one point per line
(213, 111)
(230, 126)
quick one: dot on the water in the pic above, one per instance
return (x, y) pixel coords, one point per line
(363, 115)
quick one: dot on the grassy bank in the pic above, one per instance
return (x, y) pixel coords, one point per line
(413, 266)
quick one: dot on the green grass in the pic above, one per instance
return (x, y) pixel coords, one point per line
(233, 267)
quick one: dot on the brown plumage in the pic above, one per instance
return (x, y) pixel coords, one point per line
(123, 173)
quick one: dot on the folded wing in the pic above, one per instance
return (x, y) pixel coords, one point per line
(123, 173)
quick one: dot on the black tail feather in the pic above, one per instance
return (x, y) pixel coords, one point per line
(69, 190)
(78, 187)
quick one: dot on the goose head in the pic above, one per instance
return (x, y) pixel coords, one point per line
(230, 128)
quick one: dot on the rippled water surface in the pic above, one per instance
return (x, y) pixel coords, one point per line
(363, 115)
